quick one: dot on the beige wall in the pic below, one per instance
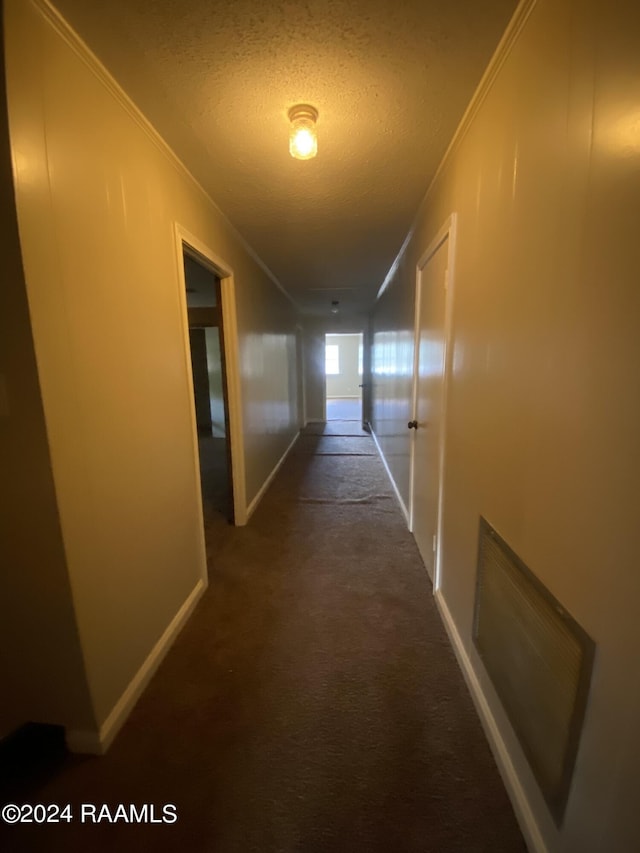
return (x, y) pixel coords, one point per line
(544, 400)
(41, 667)
(97, 198)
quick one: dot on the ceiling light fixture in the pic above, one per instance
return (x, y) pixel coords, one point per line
(303, 141)
(334, 306)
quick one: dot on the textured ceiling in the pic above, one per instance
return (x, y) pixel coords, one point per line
(390, 79)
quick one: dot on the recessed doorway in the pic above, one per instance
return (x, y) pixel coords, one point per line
(343, 376)
(432, 366)
(206, 340)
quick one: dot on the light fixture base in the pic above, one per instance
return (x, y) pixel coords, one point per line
(303, 111)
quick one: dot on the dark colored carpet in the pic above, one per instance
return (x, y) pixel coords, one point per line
(336, 428)
(312, 704)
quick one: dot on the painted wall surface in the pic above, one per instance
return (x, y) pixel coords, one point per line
(268, 362)
(314, 331)
(347, 382)
(544, 398)
(97, 190)
(41, 669)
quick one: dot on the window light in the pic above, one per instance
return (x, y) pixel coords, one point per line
(332, 360)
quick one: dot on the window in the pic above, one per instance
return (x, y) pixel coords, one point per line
(332, 359)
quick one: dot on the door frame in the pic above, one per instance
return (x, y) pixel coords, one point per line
(184, 240)
(361, 384)
(448, 231)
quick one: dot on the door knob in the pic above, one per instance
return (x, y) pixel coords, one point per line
(412, 425)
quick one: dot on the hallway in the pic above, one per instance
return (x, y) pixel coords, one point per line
(471, 213)
(312, 703)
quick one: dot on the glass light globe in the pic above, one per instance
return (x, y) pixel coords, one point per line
(303, 142)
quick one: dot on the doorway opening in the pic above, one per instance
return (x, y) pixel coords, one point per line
(206, 342)
(432, 367)
(343, 377)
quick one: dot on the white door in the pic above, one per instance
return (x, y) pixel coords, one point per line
(431, 303)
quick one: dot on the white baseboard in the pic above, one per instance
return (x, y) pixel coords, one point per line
(403, 507)
(98, 742)
(526, 819)
(254, 503)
